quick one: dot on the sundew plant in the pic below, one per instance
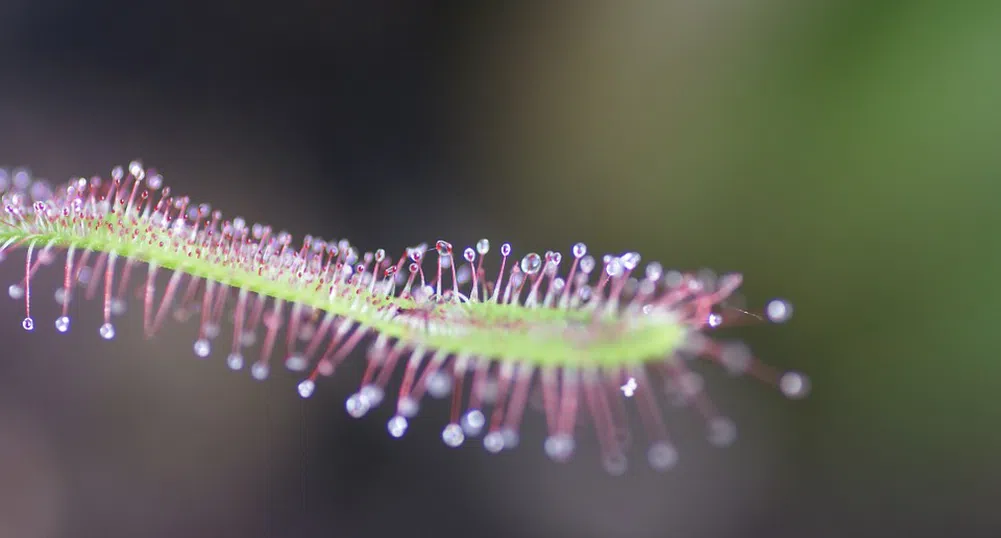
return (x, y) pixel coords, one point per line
(599, 338)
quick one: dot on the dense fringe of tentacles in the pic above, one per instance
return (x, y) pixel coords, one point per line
(591, 338)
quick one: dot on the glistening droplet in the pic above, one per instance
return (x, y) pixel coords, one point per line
(107, 331)
(531, 263)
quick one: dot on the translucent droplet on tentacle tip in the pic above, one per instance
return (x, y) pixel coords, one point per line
(556, 258)
(107, 331)
(452, 435)
(372, 394)
(735, 357)
(579, 250)
(614, 267)
(202, 347)
(722, 431)
(559, 447)
(15, 291)
(531, 263)
(630, 260)
(444, 248)
(259, 371)
(510, 437)
(248, 338)
(472, 422)
(234, 361)
(505, 249)
(136, 169)
(654, 270)
(615, 463)
(28, 324)
(778, 310)
(673, 278)
(62, 324)
(662, 455)
(356, 405)
(397, 426)
(296, 362)
(493, 442)
(469, 254)
(794, 385)
(211, 330)
(483, 246)
(439, 385)
(408, 407)
(306, 388)
(685, 387)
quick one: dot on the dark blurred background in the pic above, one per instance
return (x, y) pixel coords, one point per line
(841, 153)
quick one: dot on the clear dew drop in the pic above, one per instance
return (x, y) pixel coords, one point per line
(452, 435)
(63, 324)
(615, 463)
(211, 330)
(630, 260)
(356, 405)
(372, 394)
(685, 387)
(510, 437)
(408, 407)
(579, 250)
(778, 311)
(493, 442)
(107, 331)
(439, 385)
(531, 263)
(674, 278)
(248, 338)
(662, 455)
(444, 248)
(15, 291)
(202, 348)
(259, 371)
(306, 388)
(794, 385)
(472, 422)
(654, 270)
(483, 246)
(559, 447)
(397, 426)
(587, 264)
(28, 324)
(234, 361)
(722, 432)
(613, 267)
(296, 363)
(469, 254)
(736, 357)
(506, 249)
(714, 320)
